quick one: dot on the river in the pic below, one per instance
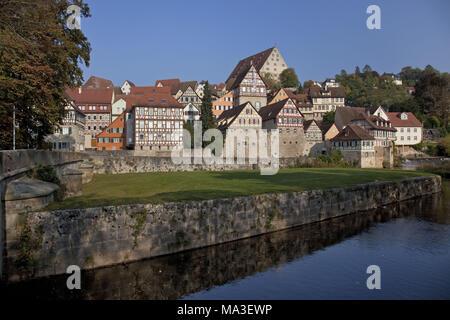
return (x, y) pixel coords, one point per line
(410, 242)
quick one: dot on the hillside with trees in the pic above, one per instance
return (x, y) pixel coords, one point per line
(431, 102)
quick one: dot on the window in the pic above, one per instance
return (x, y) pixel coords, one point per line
(141, 111)
(141, 124)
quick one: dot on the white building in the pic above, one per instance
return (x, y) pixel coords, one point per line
(126, 87)
(409, 128)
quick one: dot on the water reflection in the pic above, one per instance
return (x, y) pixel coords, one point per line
(180, 275)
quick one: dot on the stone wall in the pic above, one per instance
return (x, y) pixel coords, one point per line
(15, 164)
(46, 243)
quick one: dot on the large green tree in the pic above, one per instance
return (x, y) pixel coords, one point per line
(40, 56)
(206, 115)
(288, 78)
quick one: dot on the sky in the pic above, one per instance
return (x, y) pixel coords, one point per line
(147, 40)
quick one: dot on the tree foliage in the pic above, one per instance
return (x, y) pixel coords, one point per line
(39, 58)
(289, 79)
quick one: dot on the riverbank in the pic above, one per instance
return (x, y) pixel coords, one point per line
(161, 187)
(45, 243)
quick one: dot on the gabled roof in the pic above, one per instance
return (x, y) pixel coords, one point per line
(118, 123)
(351, 132)
(396, 121)
(241, 76)
(173, 84)
(258, 61)
(271, 111)
(347, 114)
(325, 126)
(308, 124)
(129, 82)
(231, 115)
(373, 120)
(155, 99)
(95, 96)
(183, 86)
(318, 92)
(98, 83)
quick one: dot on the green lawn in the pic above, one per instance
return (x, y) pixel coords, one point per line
(122, 189)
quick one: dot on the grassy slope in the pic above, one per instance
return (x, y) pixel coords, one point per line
(200, 185)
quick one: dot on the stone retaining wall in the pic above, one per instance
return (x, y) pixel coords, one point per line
(46, 243)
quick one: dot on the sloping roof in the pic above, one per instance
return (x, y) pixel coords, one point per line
(154, 99)
(183, 86)
(396, 121)
(131, 83)
(258, 61)
(347, 114)
(272, 110)
(118, 123)
(325, 126)
(98, 83)
(353, 133)
(149, 90)
(95, 96)
(373, 120)
(173, 84)
(308, 123)
(232, 114)
(318, 92)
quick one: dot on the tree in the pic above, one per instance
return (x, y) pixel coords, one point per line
(357, 71)
(289, 78)
(308, 84)
(367, 69)
(206, 115)
(300, 88)
(329, 116)
(433, 95)
(40, 57)
(271, 82)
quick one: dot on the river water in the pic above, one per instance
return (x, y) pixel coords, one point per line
(410, 242)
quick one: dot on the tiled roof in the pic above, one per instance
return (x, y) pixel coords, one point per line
(149, 90)
(396, 121)
(272, 110)
(351, 132)
(173, 84)
(258, 61)
(308, 123)
(347, 114)
(98, 83)
(325, 126)
(118, 123)
(317, 92)
(95, 96)
(131, 83)
(183, 86)
(232, 114)
(155, 99)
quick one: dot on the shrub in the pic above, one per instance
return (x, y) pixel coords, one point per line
(442, 168)
(47, 174)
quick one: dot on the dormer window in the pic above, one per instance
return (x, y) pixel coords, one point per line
(404, 116)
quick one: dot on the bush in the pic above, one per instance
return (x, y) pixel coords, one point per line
(442, 168)
(334, 160)
(443, 147)
(47, 174)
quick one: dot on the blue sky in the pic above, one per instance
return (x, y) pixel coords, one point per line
(146, 40)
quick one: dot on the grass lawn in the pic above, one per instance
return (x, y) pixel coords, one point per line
(134, 188)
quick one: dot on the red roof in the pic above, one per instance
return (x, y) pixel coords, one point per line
(94, 96)
(411, 121)
(98, 83)
(149, 90)
(156, 99)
